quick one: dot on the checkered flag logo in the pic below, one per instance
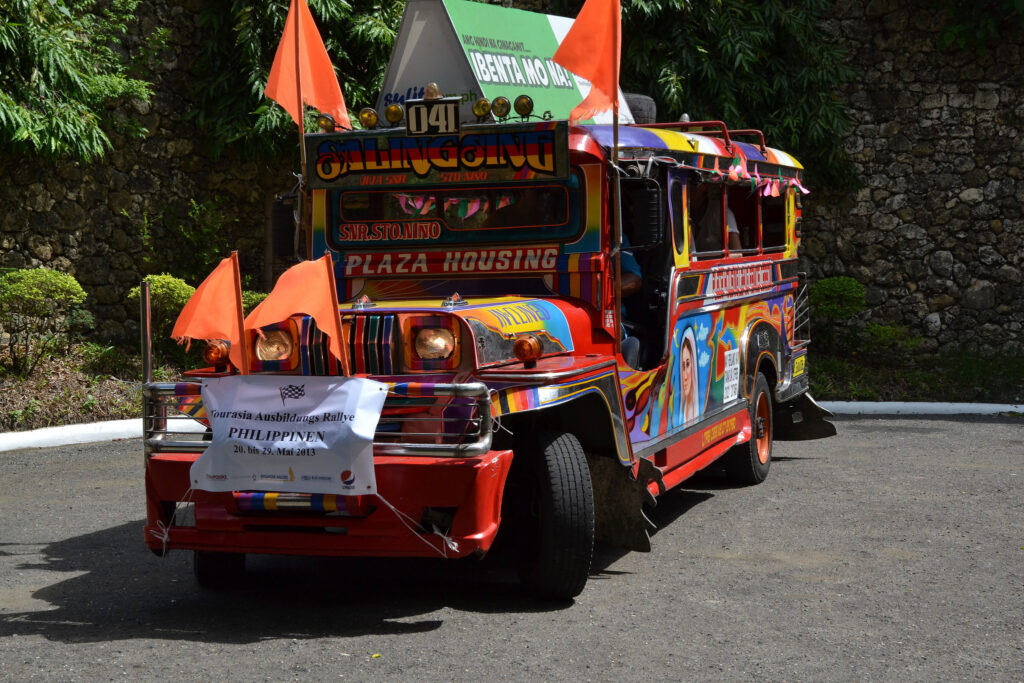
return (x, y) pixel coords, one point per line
(292, 391)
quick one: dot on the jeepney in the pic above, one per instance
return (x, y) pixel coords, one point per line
(477, 258)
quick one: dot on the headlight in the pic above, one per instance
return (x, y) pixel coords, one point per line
(274, 345)
(434, 343)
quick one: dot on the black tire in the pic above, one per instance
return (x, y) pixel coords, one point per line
(749, 463)
(642, 107)
(218, 570)
(558, 543)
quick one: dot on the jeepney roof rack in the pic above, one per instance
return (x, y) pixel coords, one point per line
(709, 127)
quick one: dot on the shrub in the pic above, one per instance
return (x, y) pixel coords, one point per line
(834, 300)
(251, 300)
(885, 337)
(167, 296)
(35, 313)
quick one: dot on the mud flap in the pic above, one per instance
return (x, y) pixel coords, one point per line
(802, 419)
(619, 502)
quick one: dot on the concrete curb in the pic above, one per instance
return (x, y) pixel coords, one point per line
(900, 408)
(132, 429)
(81, 433)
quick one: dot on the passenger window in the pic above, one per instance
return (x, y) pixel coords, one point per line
(773, 223)
(743, 203)
(706, 219)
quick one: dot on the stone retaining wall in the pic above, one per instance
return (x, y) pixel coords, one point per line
(936, 231)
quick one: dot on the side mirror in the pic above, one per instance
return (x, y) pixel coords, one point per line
(642, 212)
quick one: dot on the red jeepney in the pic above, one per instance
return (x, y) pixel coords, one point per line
(528, 402)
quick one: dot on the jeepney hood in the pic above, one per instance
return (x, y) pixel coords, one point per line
(493, 324)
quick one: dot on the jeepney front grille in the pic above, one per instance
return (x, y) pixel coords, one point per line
(371, 345)
(418, 419)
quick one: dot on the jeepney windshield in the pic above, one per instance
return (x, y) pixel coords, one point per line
(438, 217)
(463, 209)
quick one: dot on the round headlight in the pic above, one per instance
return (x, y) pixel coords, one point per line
(274, 345)
(368, 117)
(434, 343)
(501, 107)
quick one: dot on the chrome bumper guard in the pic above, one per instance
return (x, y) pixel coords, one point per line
(168, 428)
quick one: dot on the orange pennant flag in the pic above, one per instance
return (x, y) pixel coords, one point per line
(307, 288)
(215, 311)
(314, 81)
(592, 50)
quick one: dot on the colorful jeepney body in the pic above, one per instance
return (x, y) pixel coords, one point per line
(477, 270)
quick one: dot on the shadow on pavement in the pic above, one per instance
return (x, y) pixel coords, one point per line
(120, 591)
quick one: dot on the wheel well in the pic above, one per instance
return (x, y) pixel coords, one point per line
(587, 417)
(767, 368)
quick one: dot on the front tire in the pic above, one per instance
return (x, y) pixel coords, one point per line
(559, 529)
(749, 463)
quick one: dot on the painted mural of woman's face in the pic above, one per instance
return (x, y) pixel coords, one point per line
(686, 365)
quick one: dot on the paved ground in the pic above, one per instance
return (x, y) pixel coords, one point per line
(894, 551)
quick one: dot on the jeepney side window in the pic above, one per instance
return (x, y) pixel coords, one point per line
(675, 209)
(707, 204)
(773, 223)
(743, 202)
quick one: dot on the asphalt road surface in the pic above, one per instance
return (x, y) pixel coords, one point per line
(894, 551)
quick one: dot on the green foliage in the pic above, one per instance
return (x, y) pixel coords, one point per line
(251, 300)
(835, 299)
(959, 376)
(188, 244)
(167, 296)
(238, 42)
(889, 338)
(751, 63)
(62, 68)
(35, 306)
(979, 25)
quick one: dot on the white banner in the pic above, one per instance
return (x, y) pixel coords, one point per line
(290, 433)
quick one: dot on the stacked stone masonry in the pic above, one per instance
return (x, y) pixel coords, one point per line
(935, 232)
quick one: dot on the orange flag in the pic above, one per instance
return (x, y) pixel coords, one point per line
(308, 288)
(313, 82)
(215, 311)
(592, 50)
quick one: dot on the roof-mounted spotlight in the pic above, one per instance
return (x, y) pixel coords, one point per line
(501, 107)
(524, 105)
(325, 122)
(481, 108)
(368, 118)
(394, 113)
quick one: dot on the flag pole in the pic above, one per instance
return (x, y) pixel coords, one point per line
(617, 199)
(243, 341)
(298, 85)
(338, 327)
(617, 223)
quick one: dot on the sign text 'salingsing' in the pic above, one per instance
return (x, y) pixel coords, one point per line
(422, 155)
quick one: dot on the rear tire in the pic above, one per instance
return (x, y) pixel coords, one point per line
(559, 527)
(749, 463)
(218, 570)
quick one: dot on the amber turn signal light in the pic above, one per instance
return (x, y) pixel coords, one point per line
(216, 352)
(527, 348)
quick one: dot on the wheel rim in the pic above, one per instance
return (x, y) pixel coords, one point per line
(763, 427)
